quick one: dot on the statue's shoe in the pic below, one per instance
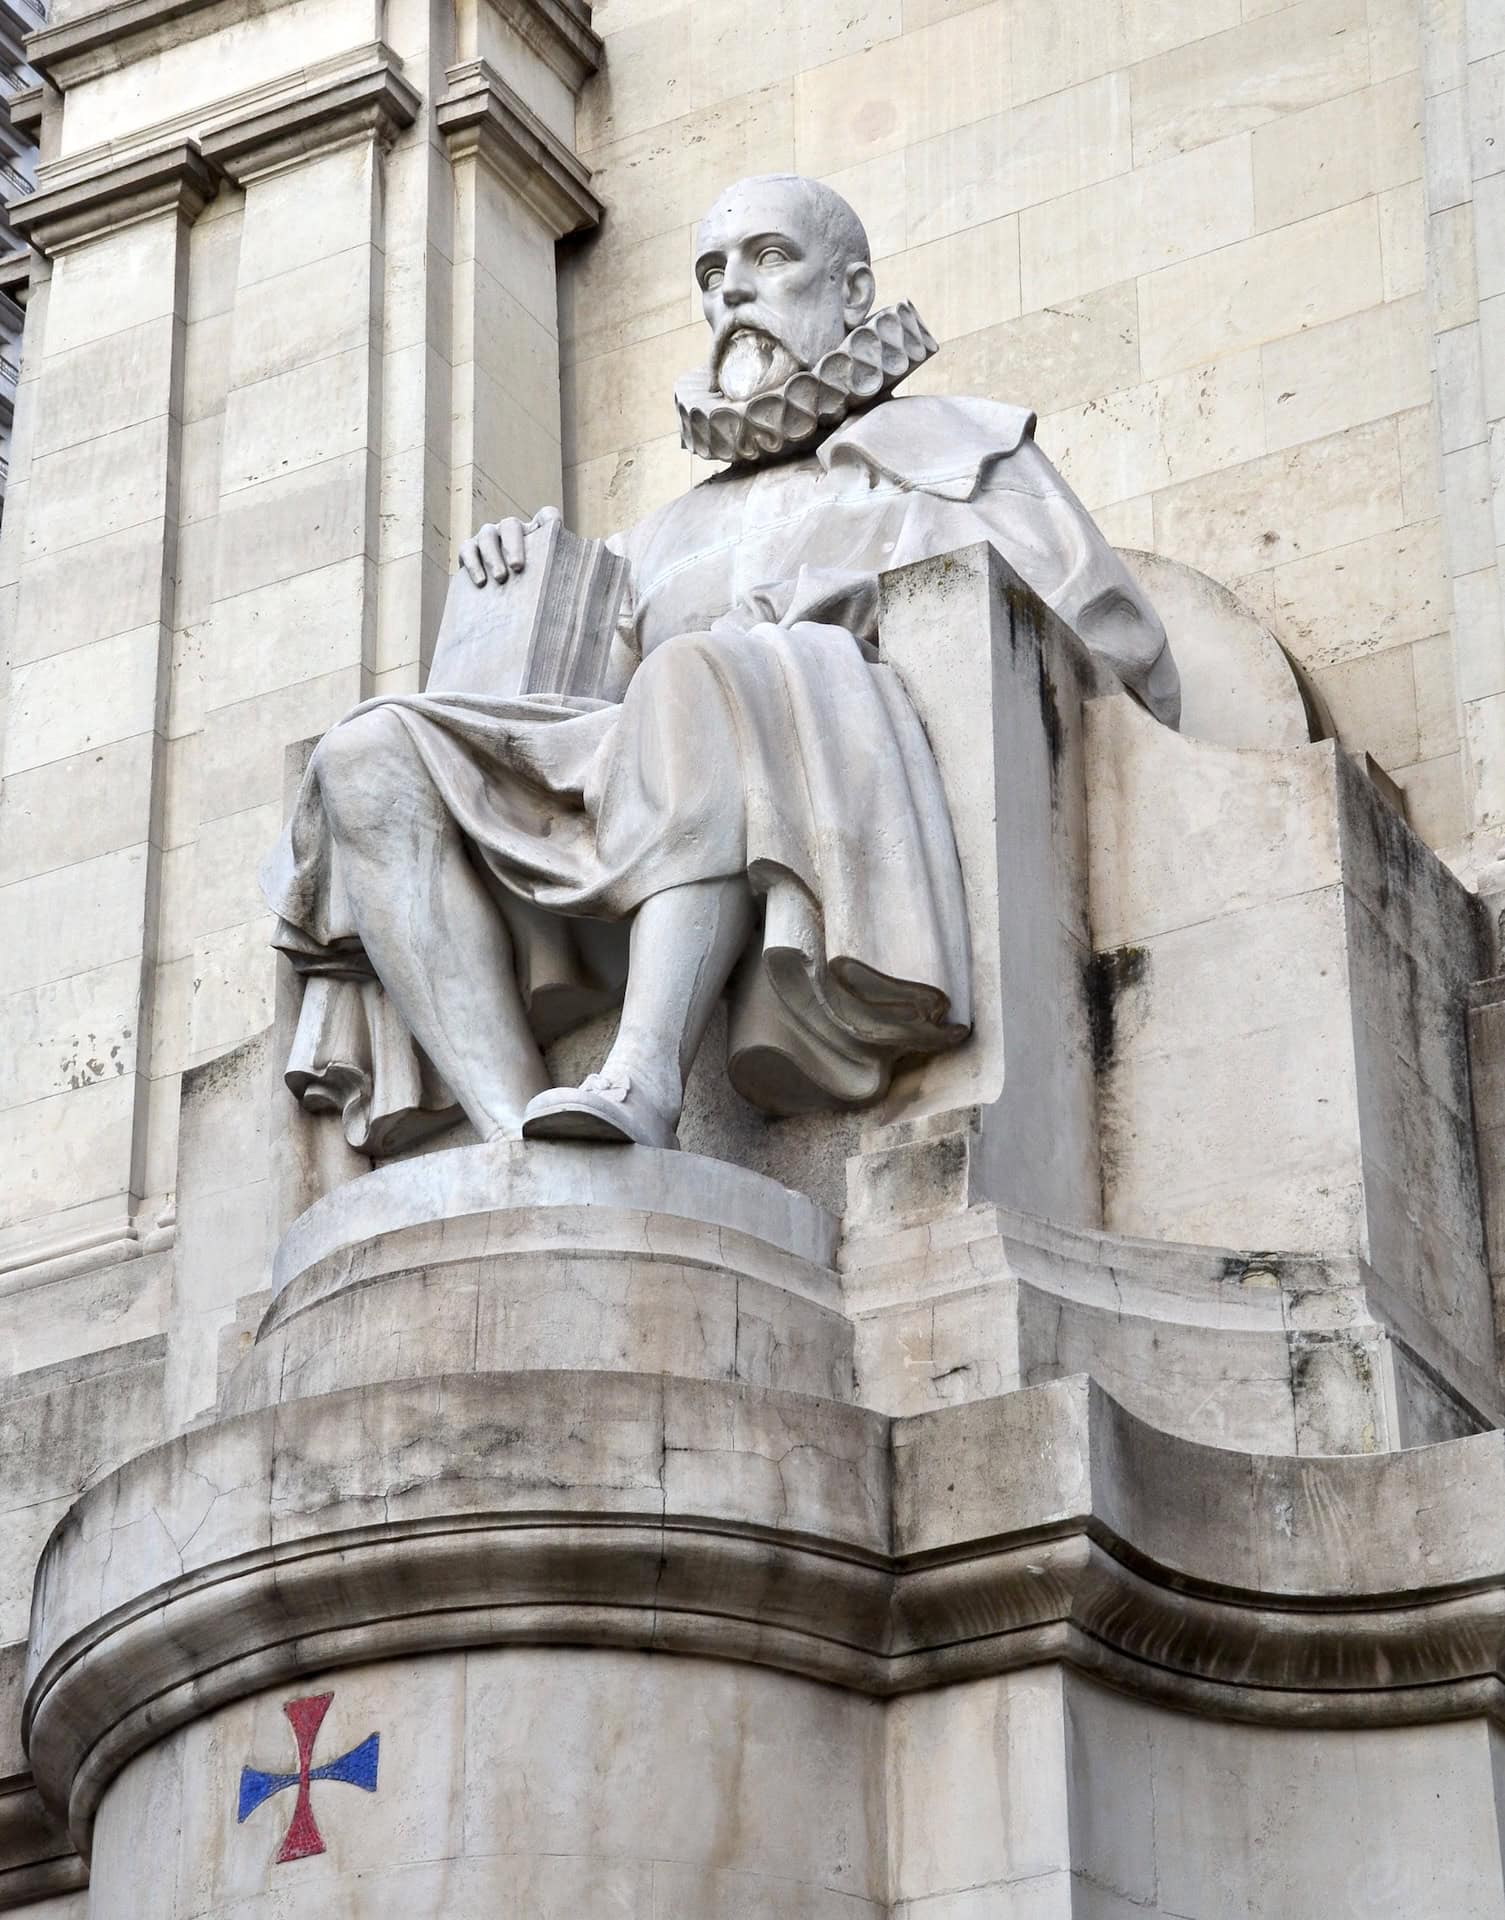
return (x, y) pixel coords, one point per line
(602, 1107)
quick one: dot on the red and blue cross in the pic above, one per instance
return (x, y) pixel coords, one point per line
(356, 1769)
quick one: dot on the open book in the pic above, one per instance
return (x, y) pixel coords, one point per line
(549, 630)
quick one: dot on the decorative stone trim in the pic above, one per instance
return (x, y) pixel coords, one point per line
(26, 110)
(700, 1517)
(37, 1859)
(560, 33)
(481, 117)
(15, 284)
(76, 50)
(122, 31)
(176, 178)
(375, 100)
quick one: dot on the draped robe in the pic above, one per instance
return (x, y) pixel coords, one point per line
(761, 735)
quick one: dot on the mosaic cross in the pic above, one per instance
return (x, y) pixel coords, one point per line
(356, 1769)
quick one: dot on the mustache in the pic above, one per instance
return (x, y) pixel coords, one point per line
(745, 320)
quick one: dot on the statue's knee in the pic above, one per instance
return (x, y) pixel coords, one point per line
(361, 765)
(681, 654)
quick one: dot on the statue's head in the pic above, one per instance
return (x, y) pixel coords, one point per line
(785, 273)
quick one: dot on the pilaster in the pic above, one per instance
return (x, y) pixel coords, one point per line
(364, 364)
(92, 536)
(518, 190)
(1463, 54)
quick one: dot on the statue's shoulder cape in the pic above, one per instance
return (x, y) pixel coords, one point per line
(929, 443)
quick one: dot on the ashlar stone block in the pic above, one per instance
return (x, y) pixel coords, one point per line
(1257, 289)
(1174, 210)
(1263, 70)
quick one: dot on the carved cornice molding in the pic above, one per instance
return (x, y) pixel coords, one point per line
(15, 286)
(64, 212)
(37, 1859)
(107, 37)
(91, 194)
(375, 100)
(560, 33)
(480, 116)
(114, 35)
(26, 110)
(707, 1518)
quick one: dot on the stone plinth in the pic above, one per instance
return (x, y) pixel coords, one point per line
(511, 1256)
(681, 1636)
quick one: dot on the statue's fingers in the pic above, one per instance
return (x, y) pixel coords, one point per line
(470, 559)
(514, 547)
(489, 540)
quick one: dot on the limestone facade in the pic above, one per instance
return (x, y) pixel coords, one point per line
(1069, 1489)
(1194, 237)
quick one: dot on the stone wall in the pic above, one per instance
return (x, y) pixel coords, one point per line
(1191, 235)
(294, 329)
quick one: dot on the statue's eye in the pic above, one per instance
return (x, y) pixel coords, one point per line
(773, 257)
(713, 279)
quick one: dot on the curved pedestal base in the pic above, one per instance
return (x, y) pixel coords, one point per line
(512, 1256)
(765, 1530)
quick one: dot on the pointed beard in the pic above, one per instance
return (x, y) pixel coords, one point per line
(751, 362)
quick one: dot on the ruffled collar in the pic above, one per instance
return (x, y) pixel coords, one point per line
(868, 364)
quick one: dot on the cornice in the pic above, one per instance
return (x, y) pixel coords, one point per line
(94, 193)
(107, 37)
(481, 116)
(26, 110)
(37, 1859)
(62, 213)
(15, 284)
(560, 33)
(882, 1556)
(375, 99)
(102, 39)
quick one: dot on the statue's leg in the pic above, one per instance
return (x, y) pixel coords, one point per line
(430, 930)
(685, 943)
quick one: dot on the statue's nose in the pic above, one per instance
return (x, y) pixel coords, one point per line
(736, 289)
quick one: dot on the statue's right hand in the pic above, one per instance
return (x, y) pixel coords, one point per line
(499, 549)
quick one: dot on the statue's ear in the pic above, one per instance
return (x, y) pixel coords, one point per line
(858, 292)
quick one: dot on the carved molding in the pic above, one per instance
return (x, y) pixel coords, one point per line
(560, 33)
(123, 31)
(114, 35)
(172, 179)
(37, 1859)
(26, 110)
(481, 117)
(94, 193)
(95, 43)
(376, 100)
(709, 1518)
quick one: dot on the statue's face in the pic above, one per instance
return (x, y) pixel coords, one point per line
(777, 289)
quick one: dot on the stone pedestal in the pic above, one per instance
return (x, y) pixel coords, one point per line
(516, 1256)
(636, 1644)
(697, 1536)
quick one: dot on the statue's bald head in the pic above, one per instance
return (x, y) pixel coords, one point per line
(790, 199)
(785, 272)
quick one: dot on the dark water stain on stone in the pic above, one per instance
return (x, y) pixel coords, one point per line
(1108, 976)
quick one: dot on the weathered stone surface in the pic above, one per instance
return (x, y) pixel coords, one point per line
(733, 1523)
(510, 1256)
(659, 1636)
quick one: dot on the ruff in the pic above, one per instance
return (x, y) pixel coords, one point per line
(868, 364)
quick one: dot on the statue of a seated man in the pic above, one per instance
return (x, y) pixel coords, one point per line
(464, 876)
